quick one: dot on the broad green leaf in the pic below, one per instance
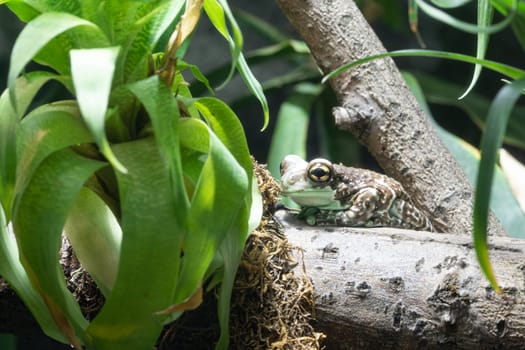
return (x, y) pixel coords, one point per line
(36, 35)
(42, 132)
(149, 21)
(504, 69)
(26, 88)
(150, 252)
(92, 72)
(491, 141)
(220, 192)
(293, 119)
(227, 127)
(38, 225)
(231, 250)
(164, 113)
(95, 236)
(68, 6)
(24, 11)
(485, 15)
(13, 272)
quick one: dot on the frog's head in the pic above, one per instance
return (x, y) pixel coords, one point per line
(309, 183)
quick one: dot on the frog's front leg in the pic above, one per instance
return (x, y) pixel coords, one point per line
(363, 207)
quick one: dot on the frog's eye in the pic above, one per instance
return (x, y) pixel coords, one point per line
(320, 171)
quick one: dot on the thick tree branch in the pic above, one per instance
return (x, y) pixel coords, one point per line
(379, 109)
(398, 289)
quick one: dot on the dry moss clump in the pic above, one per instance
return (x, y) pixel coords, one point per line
(273, 302)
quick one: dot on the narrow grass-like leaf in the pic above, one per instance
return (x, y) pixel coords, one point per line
(13, 272)
(442, 92)
(450, 3)
(292, 119)
(95, 235)
(217, 13)
(413, 20)
(464, 26)
(504, 69)
(518, 24)
(491, 141)
(35, 36)
(296, 51)
(150, 252)
(181, 65)
(485, 15)
(255, 87)
(92, 72)
(265, 29)
(38, 224)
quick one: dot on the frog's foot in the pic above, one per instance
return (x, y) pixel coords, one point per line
(310, 215)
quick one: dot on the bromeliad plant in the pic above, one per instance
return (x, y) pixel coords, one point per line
(152, 186)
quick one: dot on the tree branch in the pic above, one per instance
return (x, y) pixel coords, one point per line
(378, 109)
(398, 289)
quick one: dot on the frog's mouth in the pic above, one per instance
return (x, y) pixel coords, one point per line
(322, 197)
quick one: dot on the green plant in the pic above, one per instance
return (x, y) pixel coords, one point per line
(153, 186)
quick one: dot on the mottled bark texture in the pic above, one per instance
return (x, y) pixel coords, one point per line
(386, 288)
(378, 108)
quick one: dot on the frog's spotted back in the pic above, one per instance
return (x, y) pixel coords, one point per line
(332, 194)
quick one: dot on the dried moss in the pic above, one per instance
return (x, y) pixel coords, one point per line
(273, 301)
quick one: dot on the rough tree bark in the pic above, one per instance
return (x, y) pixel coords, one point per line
(397, 289)
(379, 110)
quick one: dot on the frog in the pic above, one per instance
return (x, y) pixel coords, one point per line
(337, 195)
